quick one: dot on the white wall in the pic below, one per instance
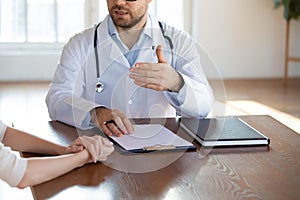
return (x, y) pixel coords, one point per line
(246, 38)
(28, 67)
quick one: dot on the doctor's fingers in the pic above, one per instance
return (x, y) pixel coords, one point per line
(141, 67)
(151, 83)
(123, 122)
(111, 129)
(156, 87)
(114, 122)
(106, 130)
(147, 79)
(162, 72)
(145, 68)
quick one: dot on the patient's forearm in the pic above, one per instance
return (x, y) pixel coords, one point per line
(46, 168)
(25, 142)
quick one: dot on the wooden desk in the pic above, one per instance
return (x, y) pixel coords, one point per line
(223, 173)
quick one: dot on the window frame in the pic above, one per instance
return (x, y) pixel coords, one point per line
(27, 47)
(92, 15)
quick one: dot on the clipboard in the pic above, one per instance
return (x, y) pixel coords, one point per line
(148, 138)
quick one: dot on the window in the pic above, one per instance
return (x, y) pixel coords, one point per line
(40, 20)
(55, 21)
(170, 11)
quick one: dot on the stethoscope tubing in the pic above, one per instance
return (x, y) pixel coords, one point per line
(99, 85)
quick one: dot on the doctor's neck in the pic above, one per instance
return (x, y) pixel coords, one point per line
(130, 35)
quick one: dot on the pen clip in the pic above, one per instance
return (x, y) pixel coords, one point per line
(159, 147)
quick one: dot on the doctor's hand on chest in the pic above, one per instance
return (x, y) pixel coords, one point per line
(157, 76)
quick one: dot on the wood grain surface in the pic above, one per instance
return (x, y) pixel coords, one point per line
(220, 173)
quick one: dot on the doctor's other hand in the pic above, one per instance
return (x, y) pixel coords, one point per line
(112, 122)
(157, 76)
(98, 147)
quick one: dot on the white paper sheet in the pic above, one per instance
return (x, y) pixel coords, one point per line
(149, 135)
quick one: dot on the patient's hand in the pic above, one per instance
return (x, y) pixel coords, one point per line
(98, 147)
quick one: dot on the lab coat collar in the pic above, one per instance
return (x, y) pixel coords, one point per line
(106, 43)
(112, 30)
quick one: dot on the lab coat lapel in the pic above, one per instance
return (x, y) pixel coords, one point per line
(109, 50)
(147, 54)
(148, 51)
(116, 55)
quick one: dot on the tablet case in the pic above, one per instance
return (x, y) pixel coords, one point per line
(223, 131)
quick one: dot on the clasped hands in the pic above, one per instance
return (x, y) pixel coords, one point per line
(98, 147)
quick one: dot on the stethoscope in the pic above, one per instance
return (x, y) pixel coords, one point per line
(100, 86)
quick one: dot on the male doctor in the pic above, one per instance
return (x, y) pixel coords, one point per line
(128, 66)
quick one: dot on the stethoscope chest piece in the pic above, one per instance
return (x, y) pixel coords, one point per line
(99, 87)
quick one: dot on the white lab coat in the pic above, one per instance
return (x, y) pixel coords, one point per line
(72, 93)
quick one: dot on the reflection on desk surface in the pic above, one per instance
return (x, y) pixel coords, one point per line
(239, 173)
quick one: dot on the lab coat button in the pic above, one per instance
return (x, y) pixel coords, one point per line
(130, 102)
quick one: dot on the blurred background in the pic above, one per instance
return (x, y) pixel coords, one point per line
(245, 38)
